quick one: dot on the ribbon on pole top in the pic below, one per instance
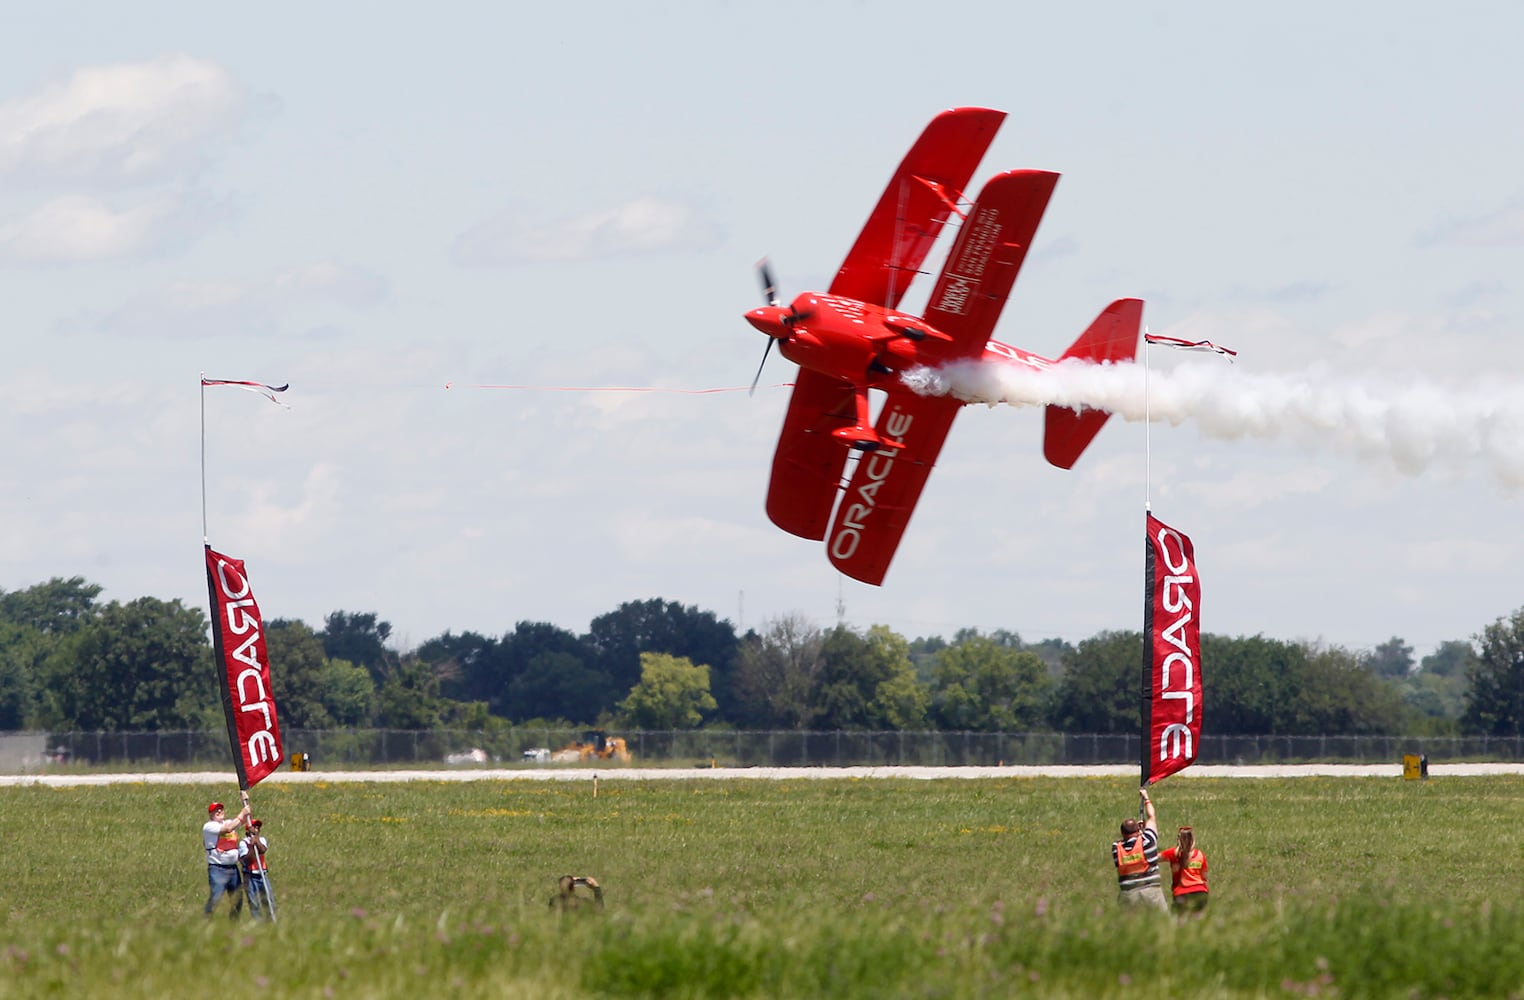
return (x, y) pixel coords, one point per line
(1172, 654)
(270, 392)
(1189, 345)
(238, 645)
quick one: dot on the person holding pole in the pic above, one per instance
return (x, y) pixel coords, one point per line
(1136, 857)
(222, 855)
(251, 854)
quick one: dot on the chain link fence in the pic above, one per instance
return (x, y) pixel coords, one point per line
(528, 747)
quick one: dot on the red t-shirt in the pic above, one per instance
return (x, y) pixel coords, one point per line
(1189, 876)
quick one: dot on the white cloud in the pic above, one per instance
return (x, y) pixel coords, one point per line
(1502, 228)
(123, 122)
(643, 226)
(272, 518)
(81, 228)
(238, 306)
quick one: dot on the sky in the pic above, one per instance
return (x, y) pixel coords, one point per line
(394, 208)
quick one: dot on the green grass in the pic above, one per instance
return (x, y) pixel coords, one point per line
(1349, 887)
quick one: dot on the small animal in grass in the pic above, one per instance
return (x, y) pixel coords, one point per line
(568, 897)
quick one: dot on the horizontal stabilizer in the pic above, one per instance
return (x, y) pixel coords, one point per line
(1112, 337)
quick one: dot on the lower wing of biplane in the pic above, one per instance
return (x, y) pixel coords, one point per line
(853, 339)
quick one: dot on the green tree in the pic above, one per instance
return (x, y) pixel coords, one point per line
(58, 607)
(515, 696)
(617, 639)
(1437, 691)
(1495, 682)
(673, 693)
(900, 700)
(776, 674)
(1392, 659)
(1099, 689)
(923, 653)
(986, 685)
(23, 651)
(850, 673)
(360, 639)
(409, 699)
(1339, 693)
(868, 682)
(471, 667)
(347, 692)
(144, 665)
(311, 690)
(557, 685)
(1453, 658)
(1249, 685)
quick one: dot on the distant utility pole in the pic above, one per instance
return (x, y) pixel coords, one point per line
(841, 605)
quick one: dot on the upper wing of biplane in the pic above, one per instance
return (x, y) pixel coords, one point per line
(982, 265)
(808, 463)
(875, 510)
(915, 204)
(969, 295)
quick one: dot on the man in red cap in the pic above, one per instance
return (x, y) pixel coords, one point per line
(222, 854)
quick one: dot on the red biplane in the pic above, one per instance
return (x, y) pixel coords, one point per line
(853, 338)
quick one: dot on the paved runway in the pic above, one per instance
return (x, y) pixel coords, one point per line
(619, 773)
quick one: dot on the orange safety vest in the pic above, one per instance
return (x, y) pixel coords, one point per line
(1190, 874)
(1130, 860)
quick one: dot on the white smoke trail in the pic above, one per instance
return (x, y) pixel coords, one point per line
(1412, 425)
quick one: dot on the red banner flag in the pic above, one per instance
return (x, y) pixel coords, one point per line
(238, 644)
(1172, 664)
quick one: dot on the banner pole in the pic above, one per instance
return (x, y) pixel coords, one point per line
(264, 874)
(1148, 444)
(205, 538)
(264, 877)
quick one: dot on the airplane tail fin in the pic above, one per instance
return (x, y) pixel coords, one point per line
(1112, 337)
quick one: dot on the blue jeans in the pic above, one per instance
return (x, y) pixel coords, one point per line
(223, 880)
(257, 898)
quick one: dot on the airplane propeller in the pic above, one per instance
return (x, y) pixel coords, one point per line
(769, 286)
(770, 298)
(758, 377)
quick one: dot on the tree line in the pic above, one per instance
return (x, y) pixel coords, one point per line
(70, 662)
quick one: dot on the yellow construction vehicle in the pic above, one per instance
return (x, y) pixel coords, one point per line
(594, 745)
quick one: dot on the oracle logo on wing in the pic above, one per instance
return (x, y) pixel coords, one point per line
(863, 500)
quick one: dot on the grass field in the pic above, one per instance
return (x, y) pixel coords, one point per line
(1349, 887)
